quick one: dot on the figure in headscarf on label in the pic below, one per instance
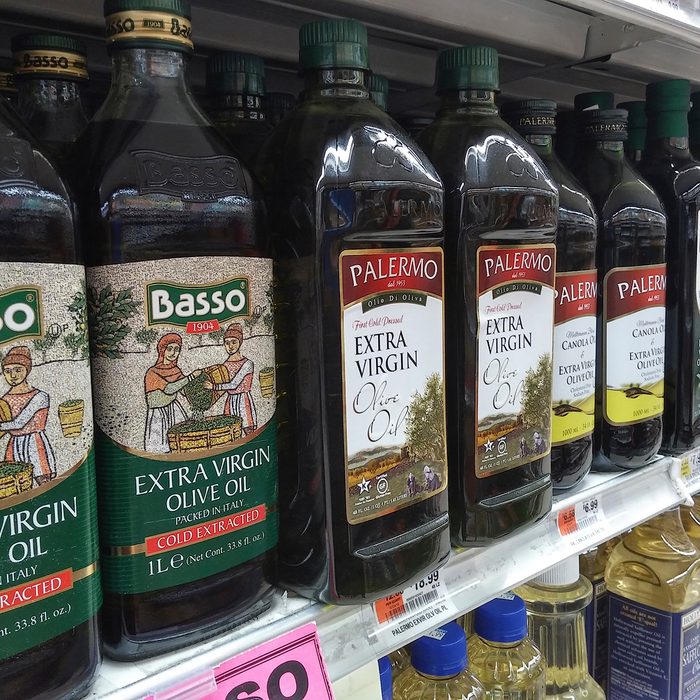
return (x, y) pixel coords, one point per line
(241, 372)
(29, 408)
(163, 382)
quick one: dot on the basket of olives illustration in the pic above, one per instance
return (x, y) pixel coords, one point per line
(266, 377)
(204, 433)
(70, 416)
(15, 478)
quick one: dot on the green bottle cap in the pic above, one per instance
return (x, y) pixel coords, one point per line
(595, 100)
(604, 124)
(694, 119)
(467, 68)
(229, 72)
(531, 116)
(637, 123)
(144, 24)
(333, 43)
(668, 103)
(53, 56)
(378, 87)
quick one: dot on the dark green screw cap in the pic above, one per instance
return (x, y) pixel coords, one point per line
(229, 72)
(378, 87)
(531, 116)
(637, 123)
(467, 68)
(51, 42)
(599, 100)
(333, 43)
(181, 8)
(668, 103)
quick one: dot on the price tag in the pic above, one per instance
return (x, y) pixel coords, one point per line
(419, 608)
(582, 522)
(290, 667)
(690, 470)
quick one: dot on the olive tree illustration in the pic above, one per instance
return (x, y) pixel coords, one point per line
(425, 422)
(77, 341)
(109, 313)
(536, 406)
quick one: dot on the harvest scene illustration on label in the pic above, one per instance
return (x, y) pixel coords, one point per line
(392, 326)
(514, 365)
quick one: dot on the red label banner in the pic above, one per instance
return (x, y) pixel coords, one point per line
(35, 590)
(500, 264)
(576, 295)
(629, 289)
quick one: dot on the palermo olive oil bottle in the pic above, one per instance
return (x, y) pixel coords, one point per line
(179, 293)
(49, 580)
(500, 267)
(356, 216)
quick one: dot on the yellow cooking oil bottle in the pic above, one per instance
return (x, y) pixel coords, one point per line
(556, 602)
(690, 517)
(501, 654)
(653, 580)
(439, 669)
(592, 565)
(400, 661)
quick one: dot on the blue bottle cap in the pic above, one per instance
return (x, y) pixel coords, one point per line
(385, 679)
(502, 619)
(442, 652)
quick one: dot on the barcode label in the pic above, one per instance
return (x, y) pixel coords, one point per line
(422, 600)
(582, 523)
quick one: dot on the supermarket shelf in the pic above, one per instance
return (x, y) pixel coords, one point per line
(351, 636)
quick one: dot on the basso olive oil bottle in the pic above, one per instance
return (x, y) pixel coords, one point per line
(378, 87)
(653, 580)
(50, 72)
(181, 325)
(49, 580)
(636, 129)
(675, 176)
(573, 360)
(632, 296)
(356, 214)
(500, 267)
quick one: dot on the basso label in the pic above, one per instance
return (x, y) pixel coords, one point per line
(190, 179)
(63, 64)
(573, 376)
(514, 368)
(16, 163)
(393, 388)
(49, 580)
(183, 353)
(635, 320)
(137, 25)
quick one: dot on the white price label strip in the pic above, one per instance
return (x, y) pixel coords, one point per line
(422, 607)
(690, 469)
(582, 523)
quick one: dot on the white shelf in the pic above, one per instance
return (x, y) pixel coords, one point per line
(350, 636)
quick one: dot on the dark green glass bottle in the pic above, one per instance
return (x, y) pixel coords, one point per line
(694, 124)
(414, 125)
(585, 101)
(236, 92)
(567, 136)
(636, 129)
(378, 87)
(501, 220)
(573, 361)
(356, 216)
(671, 170)
(182, 340)
(51, 71)
(631, 297)
(49, 566)
(279, 104)
(8, 86)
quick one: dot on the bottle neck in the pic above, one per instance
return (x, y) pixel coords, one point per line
(49, 95)
(667, 146)
(542, 144)
(335, 82)
(614, 150)
(239, 107)
(471, 101)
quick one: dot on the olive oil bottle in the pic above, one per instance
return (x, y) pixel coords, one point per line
(500, 265)
(49, 580)
(675, 176)
(631, 296)
(690, 516)
(278, 105)
(236, 99)
(8, 85)
(181, 325)
(596, 99)
(653, 580)
(636, 129)
(573, 360)
(356, 212)
(378, 87)
(694, 124)
(51, 72)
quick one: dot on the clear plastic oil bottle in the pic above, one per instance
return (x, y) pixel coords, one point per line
(653, 580)
(502, 656)
(556, 601)
(438, 668)
(690, 517)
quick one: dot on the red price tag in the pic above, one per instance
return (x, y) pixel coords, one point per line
(390, 607)
(566, 521)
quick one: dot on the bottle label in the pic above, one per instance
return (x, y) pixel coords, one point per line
(139, 25)
(7, 82)
(49, 580)
(58, 64)
(596, 619)
(634, 308)
(573, 376)
(183, 361)
(653, 653)
(393, 387)
(514, 367)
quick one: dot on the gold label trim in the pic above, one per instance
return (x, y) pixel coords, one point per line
(85, 572)
(154, 26)
(60, 63)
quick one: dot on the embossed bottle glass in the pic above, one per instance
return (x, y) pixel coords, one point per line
(49, 580)
(501, 220)
(356, 213)
(179, 291)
